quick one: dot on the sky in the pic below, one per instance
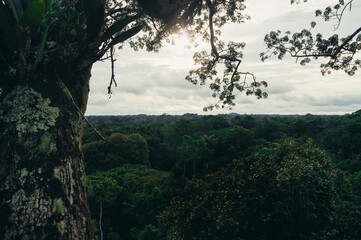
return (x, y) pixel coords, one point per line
(154, 83)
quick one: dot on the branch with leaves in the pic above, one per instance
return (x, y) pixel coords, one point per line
(102, 25)
(335, 13)
(341, 52)
(229, 56)
(201, 18)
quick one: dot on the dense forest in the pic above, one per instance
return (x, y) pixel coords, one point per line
(225, 177)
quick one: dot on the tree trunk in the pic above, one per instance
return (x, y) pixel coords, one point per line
(42, 181)
(100, 219)
(184, 167)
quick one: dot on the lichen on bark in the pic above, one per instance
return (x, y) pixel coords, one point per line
(28, 110)
(42, 195)
(59, 206)
(45, 143)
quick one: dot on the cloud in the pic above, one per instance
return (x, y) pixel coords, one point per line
(153, 83)
(339, 101)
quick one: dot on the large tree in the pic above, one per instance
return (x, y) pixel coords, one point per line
(47, 49)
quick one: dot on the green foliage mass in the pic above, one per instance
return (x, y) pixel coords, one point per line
(131, 198)
(276, 189)
(117, 150)
(192, 157)
(341, 52)
(59, 205)
(33, 13)
(288, 192)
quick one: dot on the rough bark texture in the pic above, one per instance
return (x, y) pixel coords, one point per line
(42, 182)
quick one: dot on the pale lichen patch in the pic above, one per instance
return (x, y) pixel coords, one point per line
(23, 175)
(24, 172)
(59, 206)
(28, 110)
(17, 197)
(45, 142)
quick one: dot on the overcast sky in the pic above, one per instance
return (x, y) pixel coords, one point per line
(153, 83)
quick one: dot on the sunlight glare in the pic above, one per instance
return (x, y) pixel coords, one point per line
(182, 50)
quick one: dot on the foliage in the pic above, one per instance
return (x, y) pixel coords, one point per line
(240, 138)
(230, 55)
(202, 19)
(340, 52)
(117, 150)
(132, 197)
(41, 38)
(150, 233)
(193, 154)
(42, 33)
(297, 168)
(246, 121)
(339, 135)
(280, 193)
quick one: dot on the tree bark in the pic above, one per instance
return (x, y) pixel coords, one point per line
(42, 181)
(100, 219)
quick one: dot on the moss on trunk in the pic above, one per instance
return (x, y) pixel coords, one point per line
(42, 184)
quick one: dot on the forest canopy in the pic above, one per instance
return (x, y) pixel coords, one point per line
(230, 177)
(47, 51)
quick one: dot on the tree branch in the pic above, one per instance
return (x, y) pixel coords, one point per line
(112, 78)
(117, 10)
(338, 49)
(339, 16)
(347, 40)
(70, 97)
(211, 29)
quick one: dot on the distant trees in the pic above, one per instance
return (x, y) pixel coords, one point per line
(275, 189)
(240, 138)
(192, 158)
(127, 201)
(245, 121)
(289, 192)
(115, 151)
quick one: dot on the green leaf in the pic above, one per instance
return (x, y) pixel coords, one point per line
(313, 24)
(358, 38)
(16, 8)
(125, 35)
(118, 26)
(5, 21)
(41, 49)
(33, 13)
(12, 34)
(16, 37)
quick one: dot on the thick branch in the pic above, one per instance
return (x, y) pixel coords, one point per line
(211, 29)
(70, 97)
(235, 70)
(347, 40)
